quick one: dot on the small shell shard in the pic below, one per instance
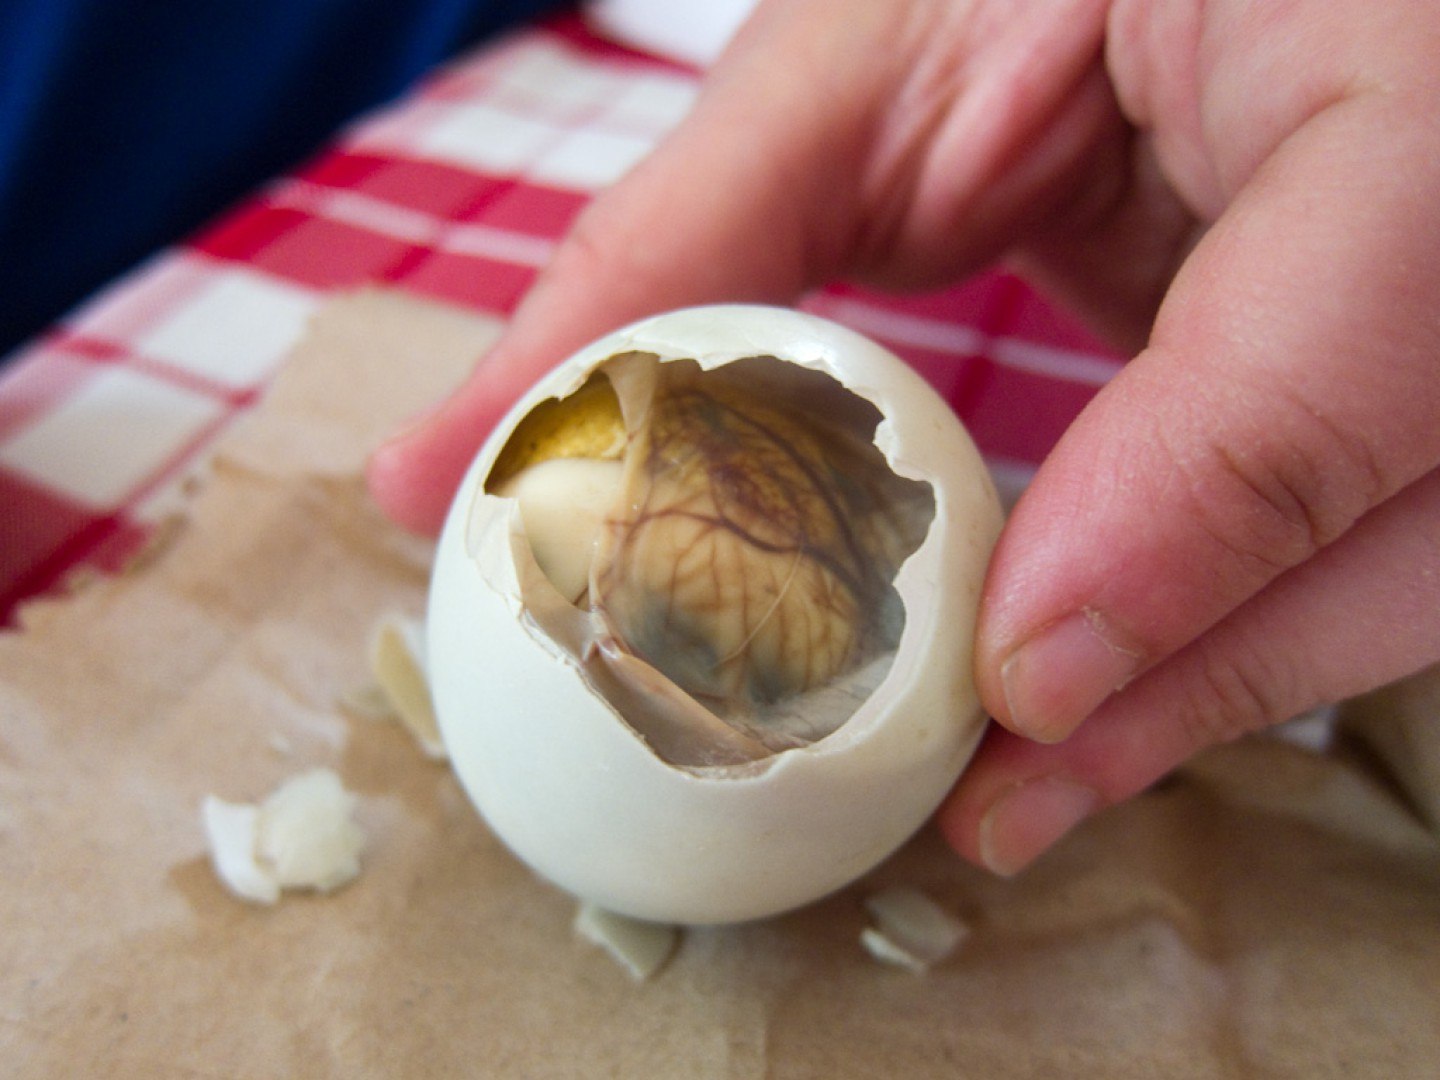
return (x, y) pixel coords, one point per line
(230, 830)
(304, 833)
(300, 837)
(397, 660)
(911, 930)
(641, 948)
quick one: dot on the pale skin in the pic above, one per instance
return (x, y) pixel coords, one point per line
(1245, 194)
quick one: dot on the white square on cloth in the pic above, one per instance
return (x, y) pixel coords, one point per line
(552, 83)
(589, 160)
(234, 330)
(485, 138)
(651, 104)
(110, 436)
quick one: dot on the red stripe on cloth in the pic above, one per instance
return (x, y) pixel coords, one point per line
(1016, 395)
(996, 303)
(1033, 318)
(469, 281)
(431, 187)
(574, 31)
(293, 243)
(36, 385)
(94, 350)
(338, 168)
(531, 208)
(311, 251)
(246, 231)
(43, 536)
(1010, 414)
(979, 302)
(1018, 415)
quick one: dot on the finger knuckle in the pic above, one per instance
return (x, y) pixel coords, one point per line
(1226, 703)
(588, 249)
(1273, 500)
(1231, 697)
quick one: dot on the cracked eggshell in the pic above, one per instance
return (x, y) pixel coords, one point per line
(578, 796)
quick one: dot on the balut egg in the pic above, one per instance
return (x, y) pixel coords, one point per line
(701, 623)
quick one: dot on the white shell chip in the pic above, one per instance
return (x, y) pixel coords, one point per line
(911, 930)
(397, 659)
(640, 947)
(300, 837)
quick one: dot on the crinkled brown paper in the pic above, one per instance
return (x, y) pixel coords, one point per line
(1269, 911)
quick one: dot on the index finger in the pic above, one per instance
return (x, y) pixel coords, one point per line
(725, 209)
(902, 140)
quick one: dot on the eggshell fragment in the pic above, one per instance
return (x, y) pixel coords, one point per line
(581, 797)
(397, 659)
(911, 930)
(305, 835)
(230, 829)
(300, 837)
(641, 948)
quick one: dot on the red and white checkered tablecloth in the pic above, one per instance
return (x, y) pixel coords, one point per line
(458, 192)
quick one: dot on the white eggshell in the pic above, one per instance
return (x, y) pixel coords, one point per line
(577, 795)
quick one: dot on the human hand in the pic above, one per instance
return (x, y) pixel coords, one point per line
(1246, 521)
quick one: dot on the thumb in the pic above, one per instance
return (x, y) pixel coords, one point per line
(1257, 428)
(1241, 525)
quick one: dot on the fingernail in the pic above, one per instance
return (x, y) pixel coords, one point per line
(1027, 819)
(1057, 678)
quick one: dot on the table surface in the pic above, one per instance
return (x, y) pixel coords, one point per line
(458, 192)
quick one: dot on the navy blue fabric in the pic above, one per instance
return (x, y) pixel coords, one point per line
(124, 124)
